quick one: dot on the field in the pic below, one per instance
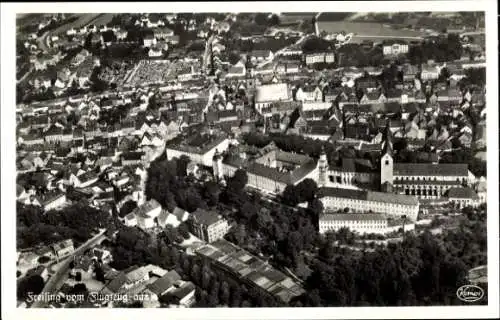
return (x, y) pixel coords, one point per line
(367, 29)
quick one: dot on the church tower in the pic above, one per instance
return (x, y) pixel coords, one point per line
(217, 165)
(387, 162)
(322, 168)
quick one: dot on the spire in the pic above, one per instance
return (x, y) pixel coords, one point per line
(387, 140)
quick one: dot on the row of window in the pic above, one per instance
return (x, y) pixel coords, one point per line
(356, 222)
(425, 179)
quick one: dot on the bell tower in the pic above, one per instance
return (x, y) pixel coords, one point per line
(387, 162)
(322, 168)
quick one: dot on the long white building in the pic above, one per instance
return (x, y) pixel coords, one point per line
(357, 222)
(395, 205)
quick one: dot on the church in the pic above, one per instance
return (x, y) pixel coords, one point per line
(422, 180)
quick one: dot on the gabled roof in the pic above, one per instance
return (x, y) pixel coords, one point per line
(164, 283)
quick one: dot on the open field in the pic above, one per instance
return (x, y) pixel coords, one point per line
(368, 29)
(103, 19)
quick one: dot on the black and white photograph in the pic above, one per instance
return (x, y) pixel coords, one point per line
(202, 162)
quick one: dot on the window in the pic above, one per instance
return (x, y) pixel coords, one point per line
(386, 162)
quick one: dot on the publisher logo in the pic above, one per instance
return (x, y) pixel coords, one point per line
(470, 293)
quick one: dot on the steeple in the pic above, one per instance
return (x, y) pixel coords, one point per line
(387, 161)
(387, 141)
(322, 167)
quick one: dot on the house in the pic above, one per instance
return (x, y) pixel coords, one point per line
(208, 225)
(429, 73)
(182, 294)
(84, 180)
(102, 254)
(63, 248)
(130, 220)
(52, 200)
(309, 93)
(319, 57)
(257, 56)
(409, 72)
(163, 33)
(373, 97)
(462, 197)
(394, 48)
(149, 40)
(238, 70)
(155, 52)
(164, 284)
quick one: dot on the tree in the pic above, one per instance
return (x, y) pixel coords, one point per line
(79, 288)
(99, 274)
(183, 230)
(30, 285)
(43, 259)
(127, 207)
(274, 20)
(238, 181)
(248, 211)
(291, 196)
(316, 208)
(211, 192)
(306, 190)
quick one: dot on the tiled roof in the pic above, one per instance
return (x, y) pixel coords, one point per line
(164, 283)
(462, 193)
(352, 217)
(428, 169)
(368, 196)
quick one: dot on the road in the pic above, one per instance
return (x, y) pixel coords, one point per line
(58, 278)
(206, 54)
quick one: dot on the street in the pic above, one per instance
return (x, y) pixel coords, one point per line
(58, 278)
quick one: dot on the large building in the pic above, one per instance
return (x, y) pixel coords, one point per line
(394, 48)
(424, 180)
(319, 57)
(208, 225)
(271, 171)
(269, 93)
(358, 222)
(199, 148)
(393, 205)
(250, 270)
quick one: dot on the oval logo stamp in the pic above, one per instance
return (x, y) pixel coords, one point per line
(470, 293)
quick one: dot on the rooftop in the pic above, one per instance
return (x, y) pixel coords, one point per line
(273, 92)
(369, 196)
(353, 217)
(428, 169)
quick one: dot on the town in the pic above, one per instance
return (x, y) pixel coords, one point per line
(250, 159)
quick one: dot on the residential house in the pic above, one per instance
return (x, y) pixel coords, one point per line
(309, 93)
(63, 248)
(392, 48)
(208, 225)
(429, 73)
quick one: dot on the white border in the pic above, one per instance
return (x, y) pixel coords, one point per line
(7, 107)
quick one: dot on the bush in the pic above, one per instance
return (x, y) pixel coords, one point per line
(43, 259)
